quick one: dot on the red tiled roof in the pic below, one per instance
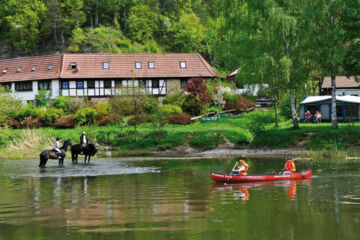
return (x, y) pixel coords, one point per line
(123, 66)
(90, 66)
(41, 72)
(341, 82)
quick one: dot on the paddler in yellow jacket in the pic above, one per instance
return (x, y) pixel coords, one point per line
(242, 168)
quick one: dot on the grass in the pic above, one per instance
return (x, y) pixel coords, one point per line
(320, 139)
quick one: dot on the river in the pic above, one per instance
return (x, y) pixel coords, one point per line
(145, 198)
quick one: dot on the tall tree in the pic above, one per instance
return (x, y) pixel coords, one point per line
(329, 41)
(22, 21)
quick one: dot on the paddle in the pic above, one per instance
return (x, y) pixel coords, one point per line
(234, 168)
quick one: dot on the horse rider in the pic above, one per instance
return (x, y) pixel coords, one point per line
(57, 147)
(289, 166)
(83, 141)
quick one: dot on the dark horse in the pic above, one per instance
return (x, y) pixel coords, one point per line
(51, 154)
(89, 150)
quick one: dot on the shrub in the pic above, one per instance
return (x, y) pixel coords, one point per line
(238, 102)
(102, 109)
(151, 106)
(26, 123)
(31, 123)
(76, 104)
(85, 116)
(8, 106)
(109, 119)
(65, 122)
(50, 116)
(175, 99)
(215, 109)
(62, 102)
(29, 112)
(170, 109)
(180, 119)
(198, 97)
(42, 98)
(138, 119)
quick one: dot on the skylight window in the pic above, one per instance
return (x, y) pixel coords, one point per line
(151, 65)
(19, 69)
(73, 66)
(182, 64)
(33, 68)
(5, 70)
(50, 66)
(106, 65)
(138, 65)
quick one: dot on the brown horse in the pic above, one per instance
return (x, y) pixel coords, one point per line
(51, 154)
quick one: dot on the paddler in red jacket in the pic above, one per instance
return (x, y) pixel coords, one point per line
(289, 166)
(242, 168)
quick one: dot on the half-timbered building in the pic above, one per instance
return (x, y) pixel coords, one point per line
(101, 75)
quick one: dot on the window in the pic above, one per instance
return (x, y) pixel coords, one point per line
(107, 84)
(151, 65)
(44, 85)
(33, 68)
(50, 67)
(106, 65)
(142, 83)
(5, 70)
(80, 84)
(19, 69)
(64, 85)
(183, 82)
(118, 83)
(7, 86)
(138, 65)
(182, 64)
(73, 66)
(339, 110)
(155, 83)
(351, 111)
(23, 86)
(91, 84)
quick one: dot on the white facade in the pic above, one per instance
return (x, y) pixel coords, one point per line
(26, 96)
(72, 88)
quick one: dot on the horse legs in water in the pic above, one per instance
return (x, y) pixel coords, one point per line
(43, 161)
(61, 161)
(74, 157)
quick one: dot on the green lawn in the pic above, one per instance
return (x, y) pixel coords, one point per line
(316, 137)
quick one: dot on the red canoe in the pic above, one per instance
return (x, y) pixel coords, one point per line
(217, 177)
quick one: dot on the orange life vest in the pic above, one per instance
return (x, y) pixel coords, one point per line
(290, 166)
(244, 172)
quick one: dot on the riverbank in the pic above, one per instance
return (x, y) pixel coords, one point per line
(224, 137)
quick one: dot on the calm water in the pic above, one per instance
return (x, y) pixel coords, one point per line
(176, 199)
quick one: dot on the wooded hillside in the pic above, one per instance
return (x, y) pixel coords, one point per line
(257, 33)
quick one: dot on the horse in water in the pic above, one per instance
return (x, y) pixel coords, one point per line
(52, 154)
(89, 150)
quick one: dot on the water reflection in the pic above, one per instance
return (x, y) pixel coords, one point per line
(241, 190)
(177, 201)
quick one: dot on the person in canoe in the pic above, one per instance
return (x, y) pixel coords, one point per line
(289, 166)
(241, 169)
